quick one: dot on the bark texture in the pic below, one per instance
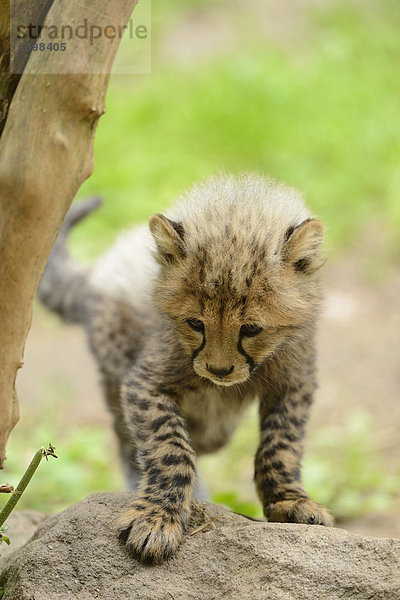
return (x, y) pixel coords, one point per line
(26, 12)
(46, 152)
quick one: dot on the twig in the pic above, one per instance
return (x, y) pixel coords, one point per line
(27, 476)
(204, 525)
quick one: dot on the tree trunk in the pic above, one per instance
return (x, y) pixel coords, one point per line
(32, 12)
(46, 152)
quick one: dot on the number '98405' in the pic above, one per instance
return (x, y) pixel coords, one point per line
(51, 46)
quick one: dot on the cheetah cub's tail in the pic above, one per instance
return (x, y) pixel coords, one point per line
(64, 286)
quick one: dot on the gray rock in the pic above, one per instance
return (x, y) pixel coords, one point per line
(21, 526)
(75, 555)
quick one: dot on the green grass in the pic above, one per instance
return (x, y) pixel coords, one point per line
(347, 471)
(323, 117)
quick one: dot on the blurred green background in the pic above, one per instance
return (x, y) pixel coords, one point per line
(306, 91)
(319, 111)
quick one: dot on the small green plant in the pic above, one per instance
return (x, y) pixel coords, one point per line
(17, 493)
(4, 538)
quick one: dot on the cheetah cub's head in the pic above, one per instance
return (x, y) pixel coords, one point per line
(235, 297)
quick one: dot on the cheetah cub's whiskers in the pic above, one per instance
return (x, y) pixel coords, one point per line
(212, 306)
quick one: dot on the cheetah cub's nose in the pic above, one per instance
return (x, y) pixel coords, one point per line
(220, 372)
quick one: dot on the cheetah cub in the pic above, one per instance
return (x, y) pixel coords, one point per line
(211, 307)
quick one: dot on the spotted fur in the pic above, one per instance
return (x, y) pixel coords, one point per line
(211, 307)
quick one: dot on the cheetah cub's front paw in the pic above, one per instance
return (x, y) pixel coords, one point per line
(303, 510)
(150, 533)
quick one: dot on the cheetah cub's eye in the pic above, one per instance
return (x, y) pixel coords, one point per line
(195, 324)
(249, 330)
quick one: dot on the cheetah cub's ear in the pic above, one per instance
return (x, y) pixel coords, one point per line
(302, 246)
(169, 237)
